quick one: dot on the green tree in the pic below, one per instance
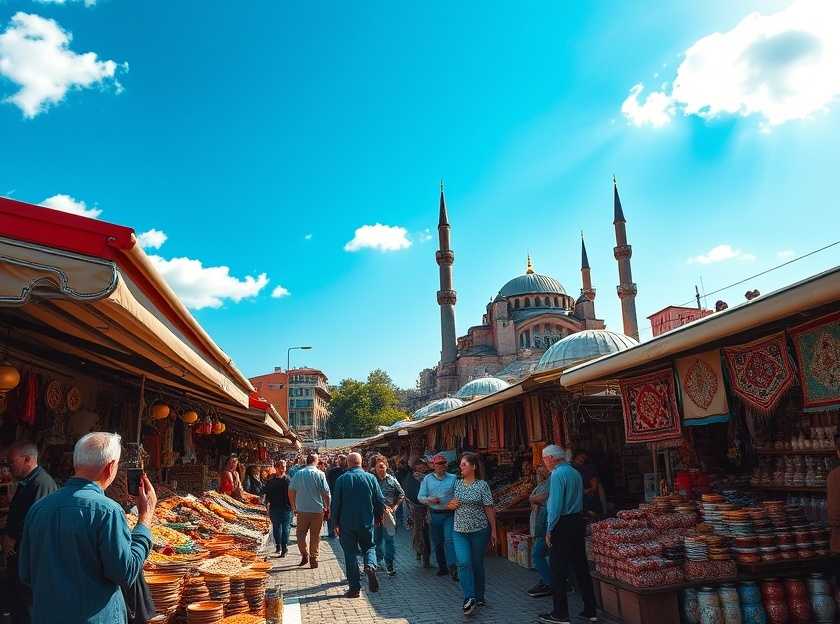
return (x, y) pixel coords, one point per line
(358, 408)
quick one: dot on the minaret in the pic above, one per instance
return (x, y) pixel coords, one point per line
(626, 288)
(587, 290)
(446, 296)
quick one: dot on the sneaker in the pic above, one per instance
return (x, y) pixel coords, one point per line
(304, 560)
(469, 606)
(588, 618)
(351, 593)
(482, 602)
(313, 564)
(373, 582)
(540, 590)
(548, 618)
(391, 570)
(283, 552)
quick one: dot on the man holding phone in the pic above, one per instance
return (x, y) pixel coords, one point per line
(77, 549)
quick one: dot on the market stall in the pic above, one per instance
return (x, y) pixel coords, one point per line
(738, 412)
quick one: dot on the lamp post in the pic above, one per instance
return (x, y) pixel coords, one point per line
(289, 381)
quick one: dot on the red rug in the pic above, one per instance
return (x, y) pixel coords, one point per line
(650, 408)
(761, 371)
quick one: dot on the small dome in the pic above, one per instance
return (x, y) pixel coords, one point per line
(584, 345)
(435, 407)
(398, 425)
(532, 283)
(481, 387)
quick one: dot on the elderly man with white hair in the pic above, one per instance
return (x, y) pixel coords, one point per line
(566, 537)
(77, 549)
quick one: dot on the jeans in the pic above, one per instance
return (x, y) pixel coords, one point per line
(539, 554)
(568, 547)
(355, 542)
(281, 526)
(469, 552)
(441, 529)
(380, 535)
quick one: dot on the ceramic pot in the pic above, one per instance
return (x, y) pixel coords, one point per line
(800, 610)
(777, 612)
(772, 590)
(823, 607)
(749, 593)
(796, 588)
(753, 613)
(691, 606)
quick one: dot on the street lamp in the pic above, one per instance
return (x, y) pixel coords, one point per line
(289, 381)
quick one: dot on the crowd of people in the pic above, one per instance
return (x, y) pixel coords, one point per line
(364, 501)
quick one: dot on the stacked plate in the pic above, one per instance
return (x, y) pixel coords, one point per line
(195, 590)
(237, 603)
(206, 612)
(737, 523)
(165, 590)
(218, 586)
(255, 584)
(696, 548)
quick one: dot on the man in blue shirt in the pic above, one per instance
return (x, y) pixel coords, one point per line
(77, 550)
(437, 489)
(357, 504)
(309, 495)
(566, 537)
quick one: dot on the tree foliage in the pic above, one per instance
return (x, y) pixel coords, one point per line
(358, 408)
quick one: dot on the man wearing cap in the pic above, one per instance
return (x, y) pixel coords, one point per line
(437, 489)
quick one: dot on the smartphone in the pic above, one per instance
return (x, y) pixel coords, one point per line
(134, 476)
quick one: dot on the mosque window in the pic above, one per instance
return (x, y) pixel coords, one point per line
(516, 304)
(556, 302)
(527, 302)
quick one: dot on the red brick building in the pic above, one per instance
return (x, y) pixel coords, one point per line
(671, 317)
(274, 388)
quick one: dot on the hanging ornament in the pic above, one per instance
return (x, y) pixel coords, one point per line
(218, 427)
(160, 411)
(9, 377)
(189, 417)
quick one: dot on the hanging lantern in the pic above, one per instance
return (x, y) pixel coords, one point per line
(160, 411)
(189, 417)
(9, 377)
(222, 427)
(218, 427)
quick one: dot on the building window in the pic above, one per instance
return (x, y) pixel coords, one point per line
(516, 304)
(527, 302)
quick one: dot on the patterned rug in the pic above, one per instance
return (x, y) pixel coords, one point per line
(817, 346)
(650, 408)
(761, 371)
(701, 387)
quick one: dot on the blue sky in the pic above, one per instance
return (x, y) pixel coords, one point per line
(260, 136)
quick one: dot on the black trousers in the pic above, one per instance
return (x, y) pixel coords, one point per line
(19, 596)
(568, 554)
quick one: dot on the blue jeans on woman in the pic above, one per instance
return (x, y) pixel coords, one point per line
(469, 552)
(385, 554)
(281, 526)
(539, 553)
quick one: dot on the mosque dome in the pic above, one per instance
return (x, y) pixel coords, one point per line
(532, 283)
(435, 407)
(582, 346)
(481, 387)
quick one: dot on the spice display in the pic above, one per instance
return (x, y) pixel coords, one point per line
(221, 566)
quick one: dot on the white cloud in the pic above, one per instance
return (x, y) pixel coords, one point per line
(381, 237)
(785, 254)
(307, 237)
(656, 110)
(206, 287)
(780, 67)
(425, 236)
(153, 239)
(88, 3)
(721, 253)
(279, 292)
(34, 55)
(65, 203)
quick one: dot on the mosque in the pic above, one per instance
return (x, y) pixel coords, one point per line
(531, 323)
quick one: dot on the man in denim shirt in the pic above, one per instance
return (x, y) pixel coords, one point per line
(77, 549)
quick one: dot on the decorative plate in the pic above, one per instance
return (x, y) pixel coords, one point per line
(54, 395)
(74, 399)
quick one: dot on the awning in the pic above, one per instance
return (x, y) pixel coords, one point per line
(818, 290)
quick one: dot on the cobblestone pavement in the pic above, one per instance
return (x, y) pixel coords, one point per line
(414, 596)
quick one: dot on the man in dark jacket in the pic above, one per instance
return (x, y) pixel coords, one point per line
(357, 504)
(332, 476)
(33, 484)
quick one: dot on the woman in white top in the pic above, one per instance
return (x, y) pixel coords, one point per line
(475, 527)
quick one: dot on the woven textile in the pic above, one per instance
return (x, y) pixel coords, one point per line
(701, 386)
(817, 346)
(760, 371)
(650, 408)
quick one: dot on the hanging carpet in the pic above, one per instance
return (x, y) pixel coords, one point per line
(817, 347)
(761, 371)
(650, 409)
(701, 388)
